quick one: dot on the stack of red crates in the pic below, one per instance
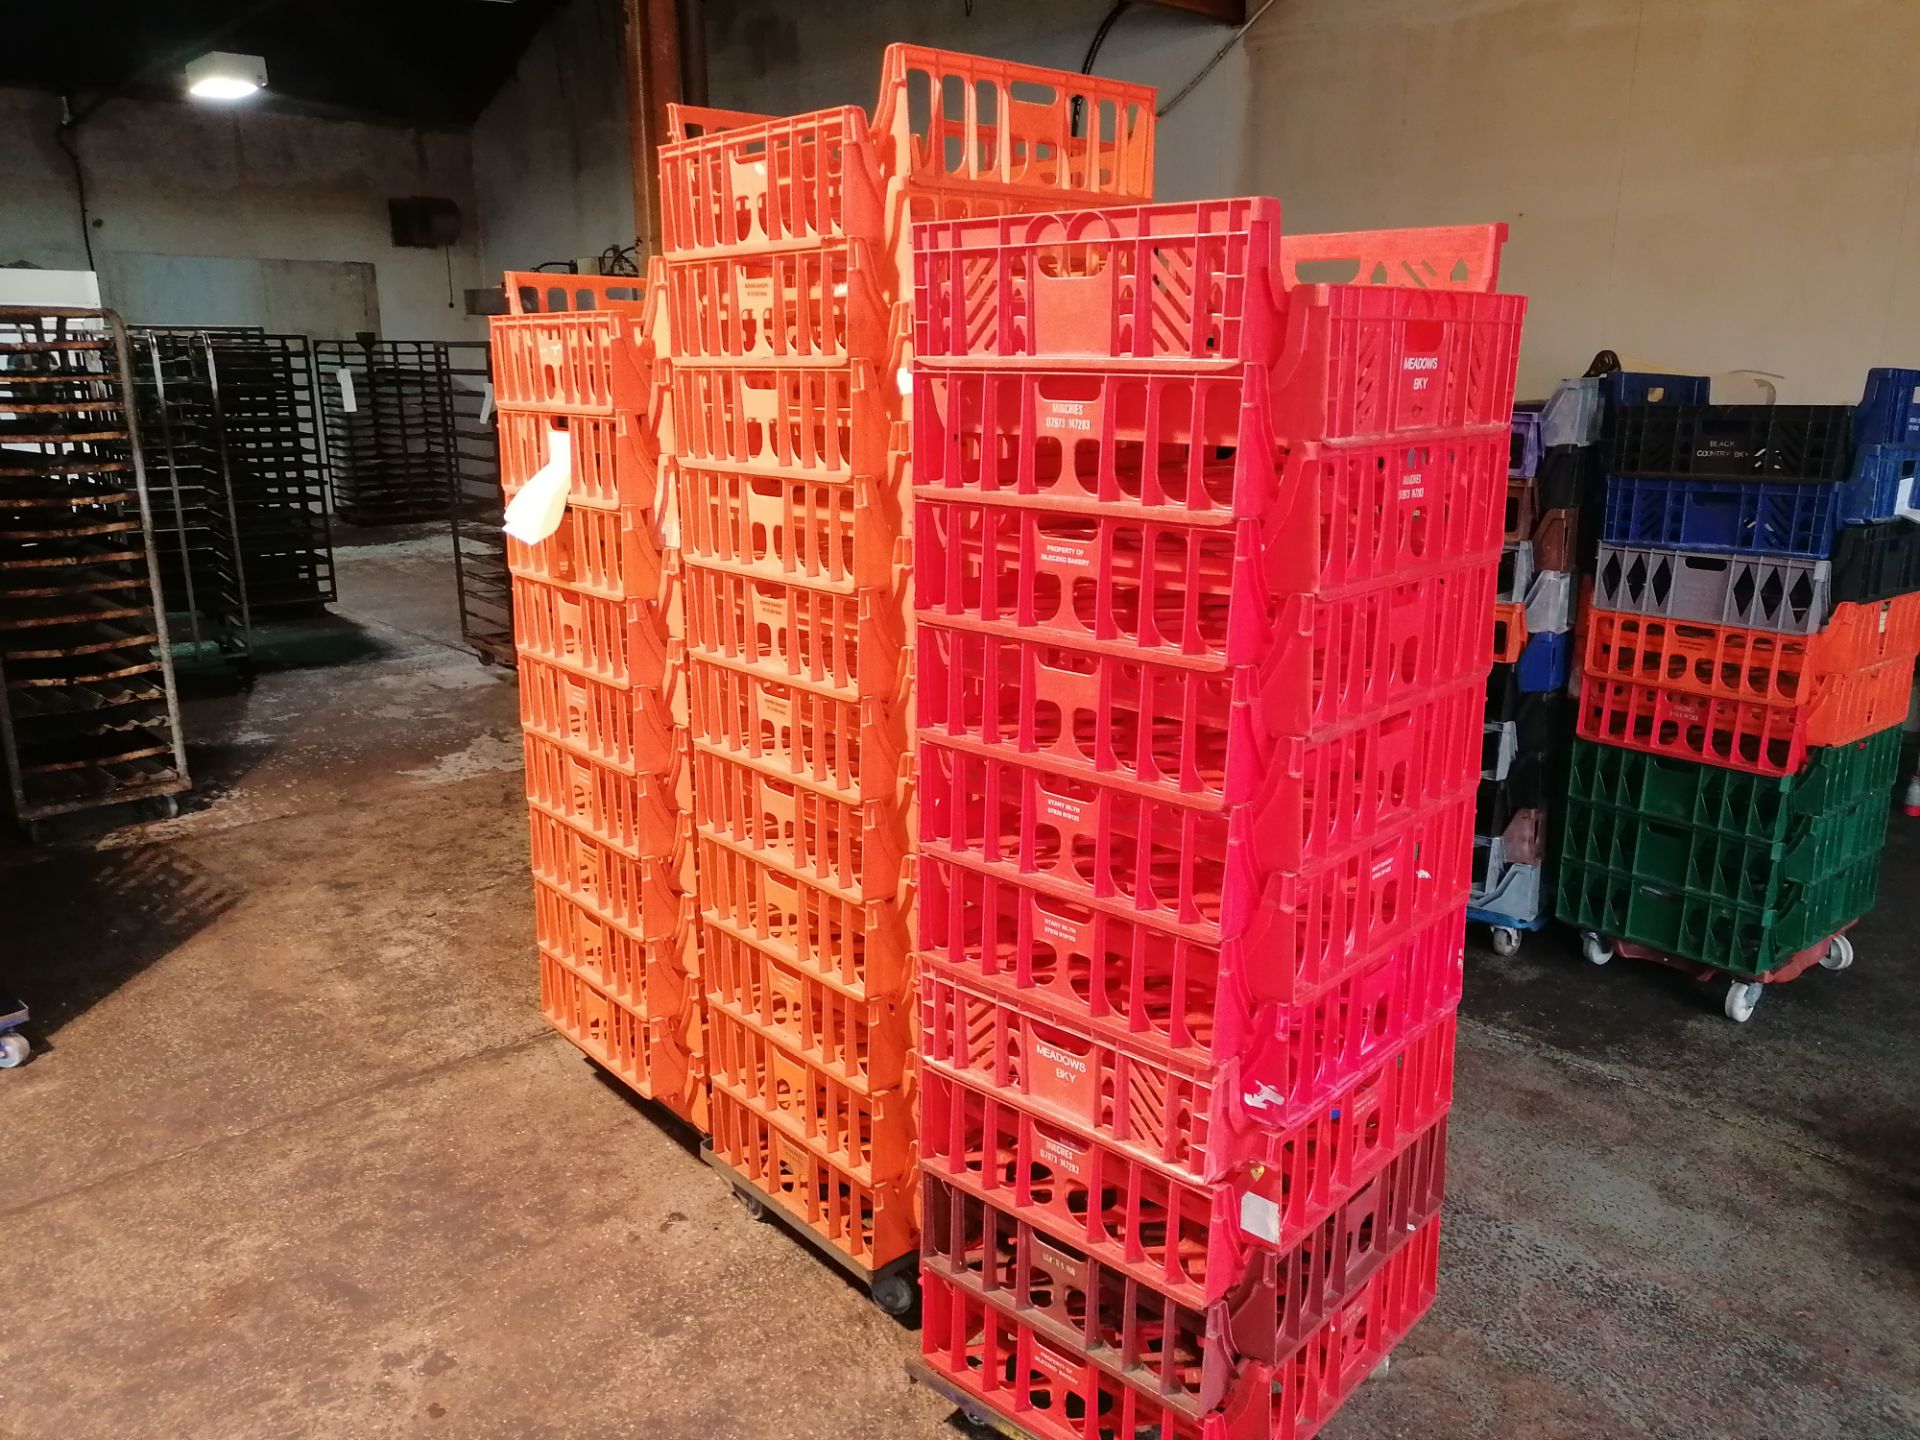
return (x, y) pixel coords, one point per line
(602, 683)
(784, 270)
(1204, 568)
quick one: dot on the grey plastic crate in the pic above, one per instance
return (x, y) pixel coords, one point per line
(1500, 887)
(1572, 416)
(1550, 602)
(1499, 746)
(1516, 571)
(1760, 592)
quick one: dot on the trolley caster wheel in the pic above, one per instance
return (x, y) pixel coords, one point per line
(1743, 998)
(14, 1050)
(977, 1421)
(1597, 951)
(1506, 940)
(170, 807)
(894, 1294)
(1839, 954)
(755, 1207)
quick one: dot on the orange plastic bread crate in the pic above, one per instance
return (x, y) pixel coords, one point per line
(574, 344)
(657, 1058)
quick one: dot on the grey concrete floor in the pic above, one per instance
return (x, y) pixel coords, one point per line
(299, 1157)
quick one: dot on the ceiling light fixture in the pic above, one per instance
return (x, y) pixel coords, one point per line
(220, 75)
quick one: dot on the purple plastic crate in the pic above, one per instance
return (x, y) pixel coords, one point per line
(1523, 461)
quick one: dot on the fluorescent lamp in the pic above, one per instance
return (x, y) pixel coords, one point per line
(220, 75)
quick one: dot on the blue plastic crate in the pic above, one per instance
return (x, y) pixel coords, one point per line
(1889, 412)
(1882, 484)
(1641, 387)
(1545, 663)
(1686, 513)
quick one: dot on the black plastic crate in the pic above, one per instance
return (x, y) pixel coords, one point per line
(1566, 473)
(1780, 442)
(1877, 561)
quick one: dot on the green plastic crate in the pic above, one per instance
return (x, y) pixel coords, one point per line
(1767, 808)
(1707, 924)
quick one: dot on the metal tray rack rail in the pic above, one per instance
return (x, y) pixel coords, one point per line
(88, 713)
(479, 544)
(196, 525)
(389, 428)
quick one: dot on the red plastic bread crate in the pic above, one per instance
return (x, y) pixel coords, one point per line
(769, 184)
(858, 1040)
(1177, 749)
(613, 461)
(819, 423)
(1184, 1354)
(574, 344)
(1742, 734)
(854, 749)
(991, 130)
(1730, 663)
(790, 530)
(657, 1058)
(1055, 1391)
(1204, 1121)
(1188, 870)
(844, 643)
(854, 848)
(652, 978)
(867, 1134)
(821, 306)
(1209, 285)
(1135, 984)
(861, 948)
(637, 814)
(1192, 597)
(645, 895)
(871, 1224)
(623, 642)
(630, 728)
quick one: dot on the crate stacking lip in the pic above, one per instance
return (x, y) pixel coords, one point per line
(1705, 896)
(998, 1356)
(870, 1223)
(1743, 734)
(1201, 448)
(584, 346)
(1185, 1356)
(1131, 984)
(1421, 342)
(1196, 1242)
(1202, 1120)
(1726, 662)
(1784, 442)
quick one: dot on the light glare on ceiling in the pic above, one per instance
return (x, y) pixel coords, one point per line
(221, 75)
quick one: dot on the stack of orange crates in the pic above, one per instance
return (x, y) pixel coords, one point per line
(602, 683)
(786, 273)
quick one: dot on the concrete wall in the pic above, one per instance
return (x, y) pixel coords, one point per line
(551, 162)
(1707, 184)
(181, 179)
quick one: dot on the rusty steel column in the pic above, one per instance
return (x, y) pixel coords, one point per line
(653, 83)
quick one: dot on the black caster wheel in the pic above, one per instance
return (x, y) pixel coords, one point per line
(755, 1207)
(895, 1294)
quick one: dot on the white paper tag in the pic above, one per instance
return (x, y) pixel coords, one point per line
(903, 378)
(535, 513)
(348, 404)
(486, 402)
(1260, 1218)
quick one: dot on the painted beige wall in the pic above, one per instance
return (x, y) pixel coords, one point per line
(1711, 184)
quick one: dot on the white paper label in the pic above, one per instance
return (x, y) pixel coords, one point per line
(348, 404)
(535, 513)
(1260, 1218)
(486, 402)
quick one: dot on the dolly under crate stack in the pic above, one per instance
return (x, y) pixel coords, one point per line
(786, 274)
(1204, 559)
(602, 685)
(1747, 667)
